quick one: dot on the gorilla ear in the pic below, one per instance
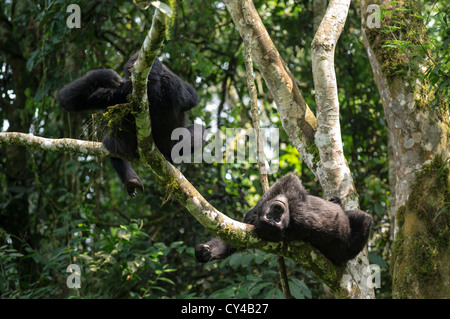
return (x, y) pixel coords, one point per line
(336, 200)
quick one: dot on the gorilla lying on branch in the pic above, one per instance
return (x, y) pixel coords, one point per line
(286, 212)
(169, 98)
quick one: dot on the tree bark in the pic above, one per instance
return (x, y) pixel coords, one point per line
(335, 174)
(419, 137)
(238, 234)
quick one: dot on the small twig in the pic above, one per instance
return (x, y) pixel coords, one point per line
(259, 141)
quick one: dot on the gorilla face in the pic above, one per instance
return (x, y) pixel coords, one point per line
(273, 219)
(286, 212)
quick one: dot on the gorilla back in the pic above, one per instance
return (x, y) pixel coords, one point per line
(169, 98)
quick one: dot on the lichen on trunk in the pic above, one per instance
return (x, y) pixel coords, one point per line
(420, 257)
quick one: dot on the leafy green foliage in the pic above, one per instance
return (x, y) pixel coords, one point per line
(415, 36)
(257, 276)
(438, 73)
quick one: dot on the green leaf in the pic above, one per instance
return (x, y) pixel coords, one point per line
(299, 289)
(159, 288)
(166, 280)
(274, 293)
(378, 209)
(445, 43)
(176, 244)
(170, 270)
(441, 211)
(235, 261)
(124, 234)
(259, 259)
(416, 15)
(257, 288)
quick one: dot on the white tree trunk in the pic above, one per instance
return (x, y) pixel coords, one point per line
(334, 172)
(419, 145)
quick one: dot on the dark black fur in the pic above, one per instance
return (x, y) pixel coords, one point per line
(286, 212)
(169, 98)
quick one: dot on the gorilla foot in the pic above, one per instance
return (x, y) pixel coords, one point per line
(132, 185)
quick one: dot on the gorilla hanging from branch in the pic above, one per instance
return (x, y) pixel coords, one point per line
(169, 99)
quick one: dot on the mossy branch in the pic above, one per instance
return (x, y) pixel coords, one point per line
(240, 235)
(298, 120)
(139, 75)
(69, 145)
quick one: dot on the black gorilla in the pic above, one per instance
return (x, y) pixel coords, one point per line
(169, 98)
(286, 212)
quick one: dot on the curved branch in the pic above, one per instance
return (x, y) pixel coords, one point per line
(313, 143)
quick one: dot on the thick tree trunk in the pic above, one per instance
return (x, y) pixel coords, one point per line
(334, 171)
(419, 137)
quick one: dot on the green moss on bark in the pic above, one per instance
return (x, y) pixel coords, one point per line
(312, 149)
(420, 255)
(400, 43)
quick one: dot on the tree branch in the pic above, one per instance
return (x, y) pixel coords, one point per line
(238, 234)
(336, 175)
(54, 145)
(334, 171)
(320, 148)
(139, 75)
(298, 121)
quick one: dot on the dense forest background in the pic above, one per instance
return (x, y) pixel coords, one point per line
(58, 209)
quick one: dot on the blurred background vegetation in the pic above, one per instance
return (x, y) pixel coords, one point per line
(57, 209)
